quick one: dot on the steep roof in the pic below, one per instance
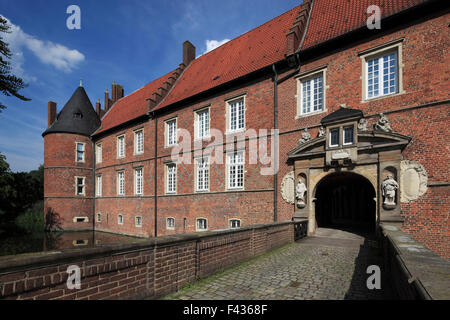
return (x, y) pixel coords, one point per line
(131, 106)
(78, 116)
(330, 19)
(249, 52)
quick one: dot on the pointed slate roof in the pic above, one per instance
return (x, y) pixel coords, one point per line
(341, 113)
(78, 116)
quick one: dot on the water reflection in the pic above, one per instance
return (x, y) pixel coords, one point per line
(47, 241)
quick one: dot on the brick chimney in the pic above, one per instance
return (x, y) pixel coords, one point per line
(51, 112)
(188, 53)
(98, 107)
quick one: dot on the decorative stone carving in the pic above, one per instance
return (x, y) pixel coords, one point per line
(413, 180)
(288, 188)
(362, 124)
(321, 132)
(383, 124)
(389, 188)
(340, 154)
(300, 191)
(306, 136)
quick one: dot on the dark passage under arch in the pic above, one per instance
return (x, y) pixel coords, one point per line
(345, 201)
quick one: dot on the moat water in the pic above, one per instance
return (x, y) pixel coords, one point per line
(12, 243)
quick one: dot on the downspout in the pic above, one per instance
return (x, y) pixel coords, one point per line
(156, 174)
(94, 190)
(275, 141)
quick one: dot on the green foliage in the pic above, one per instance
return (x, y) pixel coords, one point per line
(33, 219)
(9, 84)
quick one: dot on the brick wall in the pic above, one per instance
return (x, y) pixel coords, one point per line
(150, 268)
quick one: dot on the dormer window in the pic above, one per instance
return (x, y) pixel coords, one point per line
(77, 114)
(334, 137)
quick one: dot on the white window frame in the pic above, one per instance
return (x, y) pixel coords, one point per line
(99, 185)
(198, 124)
(83, 152)
(98, 153)
(120, 219)
(170, 141)
(378, 52)
(229, 167)
(343, 135)
(338, 129)
(99, 217)
(168, 227)
(301, 80)
(139, 182)
(230, 223)
(138, 144)
(121, 146)
(138, 225)
(83, 185)
(196, 224)
(200, 173)
(174, 178)
(119, 193)
(229, 104)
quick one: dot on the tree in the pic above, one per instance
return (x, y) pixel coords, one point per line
(9, 84)
(6, 185)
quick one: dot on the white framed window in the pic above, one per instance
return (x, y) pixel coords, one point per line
(312, 94)
(202, 181)
(348, 135)
(171, 178)
(382, 74)
(120, 219)
(201, 224)
(202, 124)
(139, 141)
(138, 221)
(121, 183)
(138, 181)
(235, 171)
(80, 187)
(236, 115)
(235, 223)
(170, 223)
(98, 153)
(121, 146)
(334, 137)
(99, 186)
(171, 132)
(99, 217)
(80, 152)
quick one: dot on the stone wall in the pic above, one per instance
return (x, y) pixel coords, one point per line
(145, 268)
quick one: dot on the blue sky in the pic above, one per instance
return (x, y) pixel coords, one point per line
(132, 42)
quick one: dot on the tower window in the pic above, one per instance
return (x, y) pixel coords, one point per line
(80, 186)
(138, 222)
(170, 223)
(235, 223)
(202, 224)
(80, 152)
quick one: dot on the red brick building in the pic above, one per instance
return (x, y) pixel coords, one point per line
(361, 113)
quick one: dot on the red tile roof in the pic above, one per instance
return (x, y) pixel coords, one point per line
(330, 19)
(131, 106)
(251, 51)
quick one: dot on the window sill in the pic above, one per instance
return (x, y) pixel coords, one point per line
(382, 97)
(228, 132)
(300, 116)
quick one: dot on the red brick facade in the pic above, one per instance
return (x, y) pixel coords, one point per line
(420, 110)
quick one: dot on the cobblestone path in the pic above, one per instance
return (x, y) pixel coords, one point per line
(329, 266)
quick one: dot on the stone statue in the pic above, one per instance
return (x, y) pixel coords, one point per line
(390, 187)
(306, 136)
(383, 124)
(321, 132)
(362, 125)
(300, 191)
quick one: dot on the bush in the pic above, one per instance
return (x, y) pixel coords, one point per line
(33, 219)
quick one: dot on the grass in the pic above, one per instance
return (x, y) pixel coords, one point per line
(202, 282)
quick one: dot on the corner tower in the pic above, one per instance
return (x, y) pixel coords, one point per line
(69, 164)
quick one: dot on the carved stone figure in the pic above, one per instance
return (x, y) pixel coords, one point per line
(390, 187)
(300, 191)
(306, 136)
(362, 125)
(321, 132)
(383, 124)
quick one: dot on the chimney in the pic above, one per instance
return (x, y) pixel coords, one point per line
(51, 112)
(98, 107)
(106, 99)
(188, 53)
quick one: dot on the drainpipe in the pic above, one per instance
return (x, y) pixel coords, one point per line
(156, 174)
(94, 186)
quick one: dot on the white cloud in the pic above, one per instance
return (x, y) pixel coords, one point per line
(213, 44)
(57, 55)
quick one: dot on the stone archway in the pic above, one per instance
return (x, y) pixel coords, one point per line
(346, 201)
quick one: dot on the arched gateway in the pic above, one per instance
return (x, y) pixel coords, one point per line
(348, 176)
